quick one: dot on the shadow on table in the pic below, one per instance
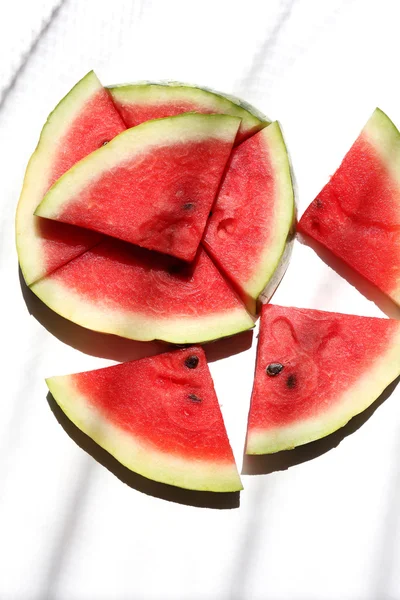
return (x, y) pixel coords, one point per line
(114, 347)
(365, 287)
(137, 482)
(281, 461)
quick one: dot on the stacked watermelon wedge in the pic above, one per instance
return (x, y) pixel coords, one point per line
(112, 235)
(164, 211)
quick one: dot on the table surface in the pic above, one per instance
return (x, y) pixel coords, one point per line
(321, 522)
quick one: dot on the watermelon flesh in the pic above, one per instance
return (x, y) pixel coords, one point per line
(138, 103)
(253, 214)
(357, 214)
(153, 185)
(82, 122)
(122, 289)
(316, 370)
(158, 416)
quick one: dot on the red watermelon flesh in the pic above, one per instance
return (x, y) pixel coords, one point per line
(357, 214)
(158, 416)
(152, 186)
(138, 103)
(315, 370)
(82, 122)
(253, 213)
(119, 288)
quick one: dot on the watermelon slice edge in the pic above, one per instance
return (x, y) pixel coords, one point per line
(253, 216)
(139, 102)
(334, 367)
(154, 434)
(80, 123)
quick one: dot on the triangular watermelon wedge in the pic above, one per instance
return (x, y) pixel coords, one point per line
(158, 416)
(122, 289)
(357, 214)
(153, 185)
(82, 122)
(145, 101)
(315, 371)
(253, 214)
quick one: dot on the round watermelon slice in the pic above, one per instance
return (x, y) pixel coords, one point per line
(153, 185)
(357, 216)
(82, 122)
(315, 371)
(253, 214)
(122, 289)
(146, 101)
(158, 416)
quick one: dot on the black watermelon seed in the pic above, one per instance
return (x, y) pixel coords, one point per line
(274, 369)
(210, 213)
(318, 203)
(194, 398)
(188, 206)
(291, 381)
(105, 143)
(192, 361)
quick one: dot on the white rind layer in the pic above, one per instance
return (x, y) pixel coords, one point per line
(284, 212)
(139, 326)
(383, 135)
(36, 182)
(153, 94)
(355, 400)
(136, 454)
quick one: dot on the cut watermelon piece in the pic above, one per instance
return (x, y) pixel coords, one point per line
(134, 293)
(84, 120)
(158, 416)
(142, 102)
(315, 371)
(253, 214)
(357, 214)
(153, 185)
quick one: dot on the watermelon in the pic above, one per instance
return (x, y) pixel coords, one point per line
(145, 101)
(357, 214)
(253, 214)
(122, 289)
(153, 185)
(158, 416)
(84, 120)
(315, 371)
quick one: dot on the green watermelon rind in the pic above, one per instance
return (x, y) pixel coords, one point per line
(275, 258)
(140, 326)
(272, 261)
(131, 143)
(28, 244)
(252, 119)
(353, 401)
(384, 136)
(135, 454)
